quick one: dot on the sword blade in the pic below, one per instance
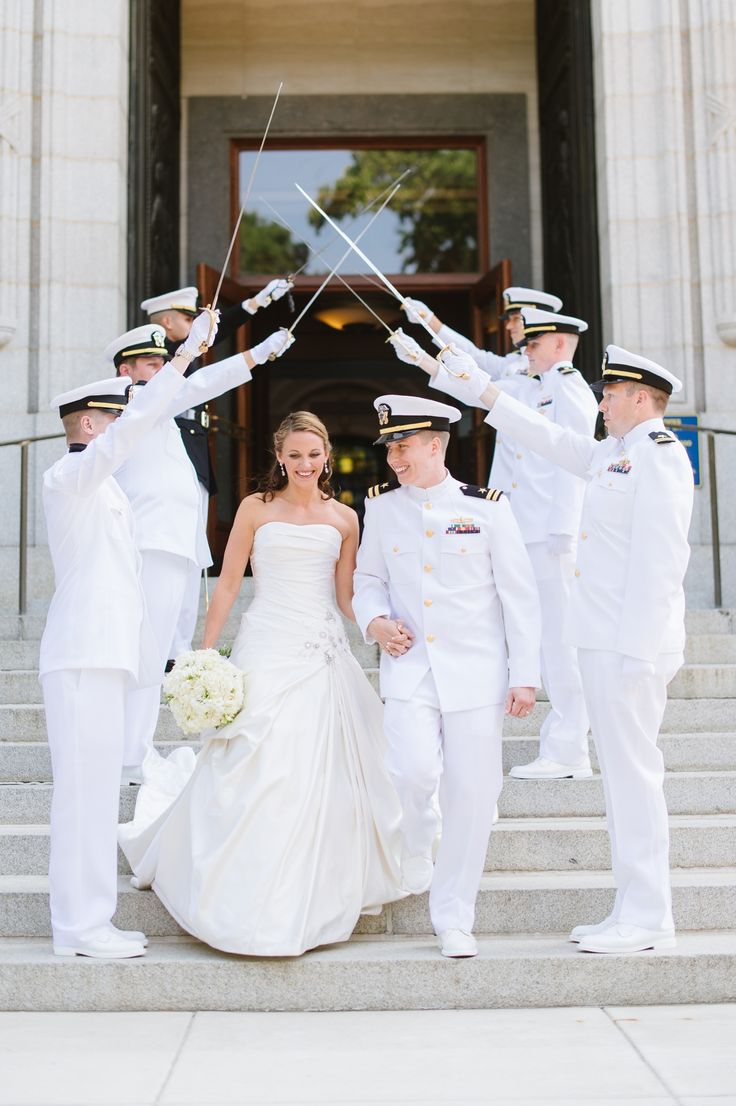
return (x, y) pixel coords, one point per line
(312, 250)
(247, 197)
(364, 257)
(362, 211)
(332, 272)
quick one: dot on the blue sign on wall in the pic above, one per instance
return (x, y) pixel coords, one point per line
(685, 427)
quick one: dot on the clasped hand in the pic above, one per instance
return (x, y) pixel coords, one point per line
(391, 635)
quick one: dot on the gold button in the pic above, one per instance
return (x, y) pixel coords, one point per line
(396, 549)
(513, 484)
(427, 568)
(429, 533)
(577, 571)
(427, 506)
(519, 456)
(463, 551)
(428, 602)
(430, 637)
(610, 484)
(584, 535)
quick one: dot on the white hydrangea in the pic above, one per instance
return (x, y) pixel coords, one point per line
(204, 690)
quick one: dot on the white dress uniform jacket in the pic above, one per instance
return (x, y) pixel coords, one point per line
(159, 478)
(453, 568)
(627, 594)
(545, 499)
(97, 615)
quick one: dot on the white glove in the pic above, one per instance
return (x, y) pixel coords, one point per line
(200, 334)
(461, 367)
(416, 311)
(272, 347)
(559, 545)
(634, 670)
(458, 389)
(274, 290)
(406, 349)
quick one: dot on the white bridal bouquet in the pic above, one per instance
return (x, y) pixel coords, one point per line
(204, 690)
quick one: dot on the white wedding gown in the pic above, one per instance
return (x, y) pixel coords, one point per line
(288, 828)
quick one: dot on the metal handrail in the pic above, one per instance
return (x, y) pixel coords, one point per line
(24, 443)
(715, 529)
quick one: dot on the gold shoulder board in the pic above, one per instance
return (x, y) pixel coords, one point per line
(566, 370)
(492, 494)
(661, 437)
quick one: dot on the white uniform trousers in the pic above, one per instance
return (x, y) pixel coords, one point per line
(164, 577)
(460, 751)
(625, 719)
(85, 709)
(563, 737)
(187, 621)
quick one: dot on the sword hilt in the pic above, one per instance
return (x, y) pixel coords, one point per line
(273, 356)
(204, 346)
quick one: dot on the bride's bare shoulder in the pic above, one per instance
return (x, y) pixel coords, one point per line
(251, 508)
(345, 517)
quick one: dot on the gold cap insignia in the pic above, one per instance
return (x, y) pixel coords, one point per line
(384, 413)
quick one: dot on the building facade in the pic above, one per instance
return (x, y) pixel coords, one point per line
(604, 139)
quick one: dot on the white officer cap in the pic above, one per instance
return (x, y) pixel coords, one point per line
(621, 366)
(516, 298)
(401, 416)
(139, 342)
(547, 322)
(183, 299)
(110, 394)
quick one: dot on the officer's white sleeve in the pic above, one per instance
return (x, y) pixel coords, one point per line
(517, 590)
(659, 550)
(575, 409)
(210, 381)
(571, 450)
(494, 364)
(371, 597)
(106, 453)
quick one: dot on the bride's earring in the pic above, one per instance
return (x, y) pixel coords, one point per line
(327, 468)
(281, 466)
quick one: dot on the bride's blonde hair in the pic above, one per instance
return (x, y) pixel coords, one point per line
(294, 423)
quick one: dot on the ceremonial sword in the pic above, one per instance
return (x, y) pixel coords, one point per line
(204, 346)
(364, 257)
(328, 278)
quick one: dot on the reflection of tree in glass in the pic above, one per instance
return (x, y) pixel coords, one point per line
(267, 247)
(436, 205)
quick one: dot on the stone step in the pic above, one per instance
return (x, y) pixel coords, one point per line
(516, 845)
(700, 649)
(30, 627)
(369, 973)
(686, 793)
(30, 761)
(25, 722)
(508, 902)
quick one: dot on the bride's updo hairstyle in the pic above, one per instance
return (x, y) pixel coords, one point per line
(297, 422)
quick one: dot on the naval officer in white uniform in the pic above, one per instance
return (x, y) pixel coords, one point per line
(510, 367)
(444, 585)
(96, 643)
(175, 311)
(626, 615)
(162, 486)
(546, 502)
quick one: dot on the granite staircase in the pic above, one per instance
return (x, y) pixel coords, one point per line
(547, 870)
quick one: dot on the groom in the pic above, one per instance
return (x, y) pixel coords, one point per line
(444, 585)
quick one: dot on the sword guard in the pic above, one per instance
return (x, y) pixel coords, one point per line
(204, 346)
(287, 333)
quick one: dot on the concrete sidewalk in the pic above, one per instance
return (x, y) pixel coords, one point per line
(633, 1056)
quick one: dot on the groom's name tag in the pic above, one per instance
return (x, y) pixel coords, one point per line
(463, 526)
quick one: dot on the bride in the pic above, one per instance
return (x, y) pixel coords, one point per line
(288, 828)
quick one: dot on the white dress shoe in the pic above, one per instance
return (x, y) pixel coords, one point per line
(627, 938)
(416, 874)
(103, 944)
(495, 814)
(586, 931)
(543, 769)
(132, 935)
(458, 944)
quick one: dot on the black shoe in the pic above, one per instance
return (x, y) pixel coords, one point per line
(169, 665)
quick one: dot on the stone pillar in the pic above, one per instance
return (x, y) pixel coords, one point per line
(666, 149)
(63, 192)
